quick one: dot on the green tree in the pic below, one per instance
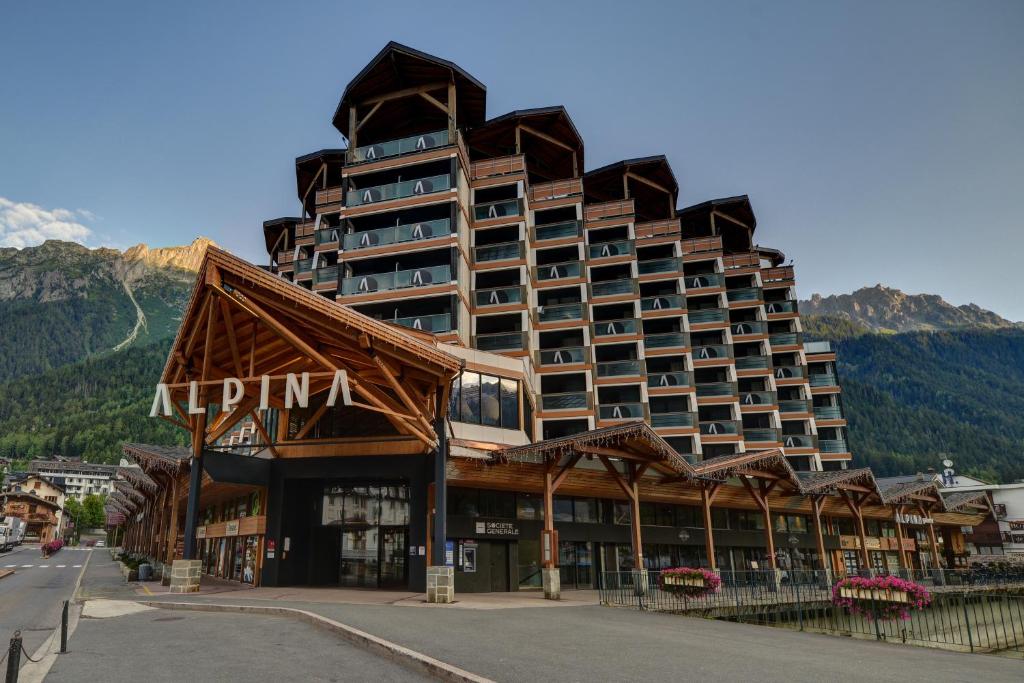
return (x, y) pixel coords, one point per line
(94, 517)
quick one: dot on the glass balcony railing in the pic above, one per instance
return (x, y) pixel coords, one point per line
(401, 279)
(327, 236)
(621, 411)
(818, 347)
(405, 188)
(672, 419)
(558, 271)
(665, 340)
(780, 307)
(609, 249)
(410, 232)
(704, 281)
(716, 389)
(403, 146)
(441, 322)
(326, 276)
(575, 400)
(787, 371)
(670, 379)
(549, 314)
(303, 265)
(795, 406)
(663, 302)
(749, 327)
(564, 356)
(555, 231)
(501, 341)
(499, 296)
(611, 328)
(619, 368)
(720, 427)
(828, 412)
(712, 351)
(784, 339)
(661, 265)
(798, 440)
(753, 362)
(744, 294)
(833, 446)
(613, 287)
(826, 379)
(757, 398)
(499, 209)
(708, 315)
(498, 252)
(761, 434)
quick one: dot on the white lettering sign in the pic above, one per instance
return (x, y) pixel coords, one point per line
(296, 392)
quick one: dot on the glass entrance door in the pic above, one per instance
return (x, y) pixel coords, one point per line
(374, 523)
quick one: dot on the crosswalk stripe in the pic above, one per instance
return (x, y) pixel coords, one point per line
(61, 566)
(77, 566)
(44, 566)
(8, 566)
(26, 566)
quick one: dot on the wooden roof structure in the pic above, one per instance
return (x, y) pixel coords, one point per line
(170, 459)
(649, 180)
(768, 464)
(915, 492)
(138, 478)
(30, 497)
(838, 480)
(546, 136)
(734, 220)
(967, 501)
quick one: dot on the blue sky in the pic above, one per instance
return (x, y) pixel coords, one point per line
(878, 141)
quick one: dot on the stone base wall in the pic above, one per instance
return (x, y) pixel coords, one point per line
(552, 579)
(441, 584)
(185, 576)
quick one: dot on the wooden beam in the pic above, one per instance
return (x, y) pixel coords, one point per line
(404, 397)
(434, 101)
(645, 181)
(564, 472)
(545, 137)
(626, 488)
(229, 327)
(707, 494)
(368, 116)
(405, 92)
(263, 432)
(311, 422)
(817, 503)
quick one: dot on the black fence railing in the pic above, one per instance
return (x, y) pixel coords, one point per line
(970, 611)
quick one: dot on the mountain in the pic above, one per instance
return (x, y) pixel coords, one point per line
(884, 309)
(62, 302)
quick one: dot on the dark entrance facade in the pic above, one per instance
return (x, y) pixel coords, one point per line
(368, 526)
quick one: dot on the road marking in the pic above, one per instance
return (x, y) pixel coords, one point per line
(61, 566)
(8, 566)
(44, 566)
(77, 566)
(27, 566)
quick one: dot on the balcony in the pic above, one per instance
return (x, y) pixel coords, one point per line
(504, 208)
(397, 148)
(744, 294)
(781, 307)
(734, 261)
(441, 322)
(399, 234)
(499, 296)
(757, 398)
(663, 302)
(613, 287)
(664, 340)
(761, 435)
(574, 400)
(501, 341)
(402, 279)
(659, 380)
(816, 347)
(660, 228)
(326, 236)
(326, 276)
(824, 379)
(705, 281)
(701, 245)
(619, 368)
(661, 265)
(559, 312)
(753, 363)
(776, 275)
(568, 355)
(712, 351)
(720, 427)
(788, 371)
(399, 190)
(749, 327)
(828, 413)
(610, 249)
(498, 252)
(613, 328)
(672, 419)
(556, 189)
(799, 440)
(795, 406)
(558, 271)
(833, 446)
(716, 389)
(557, 231)
(708, 315)
(785, 339)
(499, 166)
(615, 209)
(621, 411)
(303, 265)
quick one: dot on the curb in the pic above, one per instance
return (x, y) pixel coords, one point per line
(411, 659)
(5, 572)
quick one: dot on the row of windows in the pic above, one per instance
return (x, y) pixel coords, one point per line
(485, 400)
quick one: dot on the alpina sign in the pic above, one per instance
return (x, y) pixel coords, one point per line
(296, 392)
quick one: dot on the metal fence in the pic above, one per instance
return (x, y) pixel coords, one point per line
(969, 611)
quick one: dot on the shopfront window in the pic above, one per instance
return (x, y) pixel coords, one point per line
(585, 510)
(563, 509)
(529, 506)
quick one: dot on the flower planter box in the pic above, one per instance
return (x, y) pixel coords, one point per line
(878, 595)
(677, 580)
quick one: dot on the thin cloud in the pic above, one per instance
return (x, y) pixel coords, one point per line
(24, 225)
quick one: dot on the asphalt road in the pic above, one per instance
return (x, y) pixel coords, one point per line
(163, 645)
(31, 599)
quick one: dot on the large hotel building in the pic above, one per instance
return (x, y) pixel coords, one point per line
(555, 374)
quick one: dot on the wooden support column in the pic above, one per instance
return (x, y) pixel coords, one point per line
(817, 503)
(931, 538)
(172, 531)
(632, 492)
(858, 516)
(549, 553)
(897, 513)
(760, 496)
(707, 497)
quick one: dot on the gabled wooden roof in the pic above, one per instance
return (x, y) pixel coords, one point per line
(966, 500)
(139, 479)
(770, 462)
(651, 183)
(170, 459)
(897, 493)
(30, 497)
(547, 137)
(837, 480)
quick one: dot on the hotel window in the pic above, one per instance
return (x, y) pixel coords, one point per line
(585, 510)
(485, 400)
(529, 506)
(563, 509)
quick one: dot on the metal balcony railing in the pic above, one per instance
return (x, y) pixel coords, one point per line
(410, 232)
(376, 282)
(437, 323)
(504, 208)
(555, 231)
(669, 379)
(568, 355)
(663, 302)
(499, 296)
(400, 147)
(610, 249)
(619, 368)
(611, 328)
(399, 190)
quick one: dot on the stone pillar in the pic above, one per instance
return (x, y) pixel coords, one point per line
(441, 585)
(185, 576)
(641, 579)
(552, 578)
